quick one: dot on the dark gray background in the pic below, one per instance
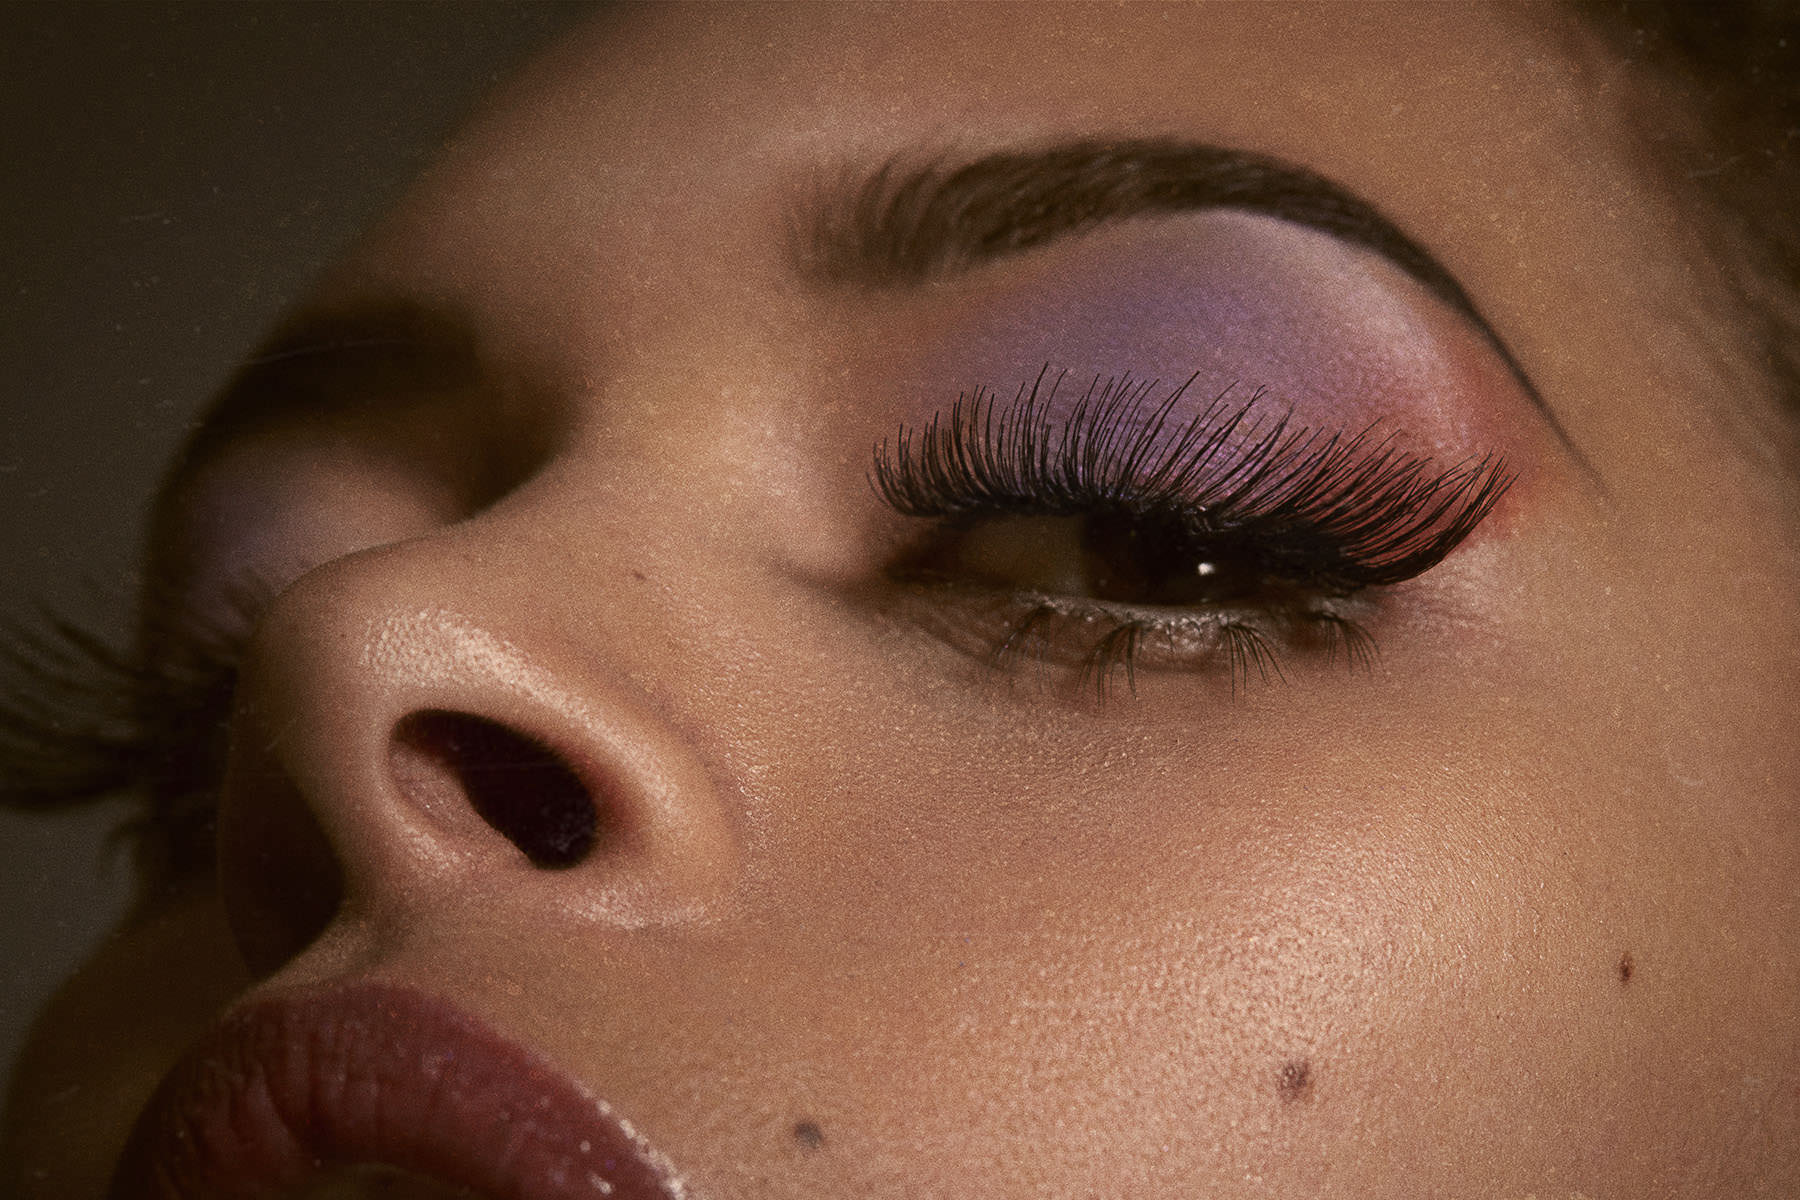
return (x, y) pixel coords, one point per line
(175, 174)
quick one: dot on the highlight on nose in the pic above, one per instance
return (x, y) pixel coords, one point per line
(519, 786)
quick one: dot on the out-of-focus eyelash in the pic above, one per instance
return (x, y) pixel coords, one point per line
(81, 720)
(1293, 523)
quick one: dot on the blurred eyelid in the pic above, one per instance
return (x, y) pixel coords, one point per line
(359, 424)
(366, 360)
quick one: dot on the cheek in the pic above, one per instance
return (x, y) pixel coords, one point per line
(1177, 968)
(1109, 951)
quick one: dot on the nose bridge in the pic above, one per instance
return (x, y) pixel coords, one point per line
(412, 737)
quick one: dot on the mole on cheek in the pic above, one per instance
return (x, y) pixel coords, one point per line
(808, 1135)
(1295, 1081)
(1626, 968)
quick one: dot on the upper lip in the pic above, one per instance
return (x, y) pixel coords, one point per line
(376, 1073)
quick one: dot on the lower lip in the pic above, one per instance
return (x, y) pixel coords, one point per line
(377, 1074)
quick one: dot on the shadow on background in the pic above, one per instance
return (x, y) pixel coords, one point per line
(176, 173)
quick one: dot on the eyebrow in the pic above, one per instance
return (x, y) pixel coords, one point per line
(902, 225)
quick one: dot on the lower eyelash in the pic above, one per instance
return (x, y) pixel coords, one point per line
(1104, 646)
(1360, 650)
(1118, 648)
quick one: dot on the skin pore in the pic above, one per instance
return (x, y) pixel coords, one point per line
(1509, 911)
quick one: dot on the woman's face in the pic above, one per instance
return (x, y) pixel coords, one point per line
(910, 877)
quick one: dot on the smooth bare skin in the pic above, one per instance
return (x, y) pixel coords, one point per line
(1350, 935)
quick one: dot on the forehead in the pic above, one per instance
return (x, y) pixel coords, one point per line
(745, 81)
(661, 120)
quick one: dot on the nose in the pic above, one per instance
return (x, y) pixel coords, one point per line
(414, 733)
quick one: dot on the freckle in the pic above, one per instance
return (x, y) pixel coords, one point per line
(1626, 968)
(1295, 1081)
(639, 576)
(808, 1135)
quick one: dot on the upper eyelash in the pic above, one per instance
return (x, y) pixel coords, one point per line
(1373, 514)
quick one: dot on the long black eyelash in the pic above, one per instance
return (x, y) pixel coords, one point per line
(1247, 648)
(1338, 631)
(1336, 513)
(1019, 635)
(1118, 648)
(81, 721)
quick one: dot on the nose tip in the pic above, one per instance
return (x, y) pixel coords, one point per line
(390, 763)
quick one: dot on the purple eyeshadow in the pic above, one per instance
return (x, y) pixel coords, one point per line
(1241, 302)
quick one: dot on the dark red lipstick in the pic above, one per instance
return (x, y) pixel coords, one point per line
(292, 1086)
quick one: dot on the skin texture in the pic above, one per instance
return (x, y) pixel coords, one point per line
(1511, 912)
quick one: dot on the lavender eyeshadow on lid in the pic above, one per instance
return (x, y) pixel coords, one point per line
(1245, 304)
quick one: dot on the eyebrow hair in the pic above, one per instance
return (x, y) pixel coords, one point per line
(902, 225)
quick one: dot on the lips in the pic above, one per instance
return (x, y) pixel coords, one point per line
(293, 1086)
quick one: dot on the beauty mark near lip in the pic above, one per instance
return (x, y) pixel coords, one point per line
(374, 1073)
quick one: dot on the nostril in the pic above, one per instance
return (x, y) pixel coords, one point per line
(517, 784)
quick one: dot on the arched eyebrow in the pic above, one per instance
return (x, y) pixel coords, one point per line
(913, 219)
(900, 224)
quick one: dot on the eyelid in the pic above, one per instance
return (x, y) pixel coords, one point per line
(393, 377)
(364, 422)
(370, 355)
(1235, 465)
(1243, 303)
